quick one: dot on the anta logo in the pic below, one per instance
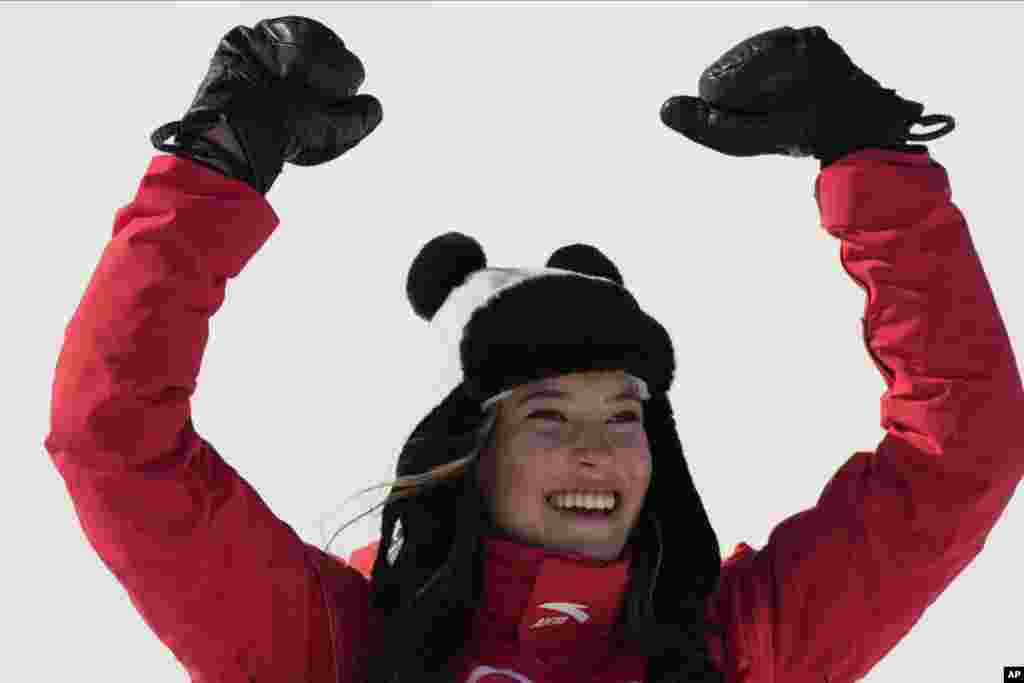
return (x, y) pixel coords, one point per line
(488, 674)
(550, 621)
(569, 609)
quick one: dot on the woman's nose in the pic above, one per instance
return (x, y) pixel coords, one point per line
(593, 438)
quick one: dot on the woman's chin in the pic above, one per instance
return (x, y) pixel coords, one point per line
(604, 551)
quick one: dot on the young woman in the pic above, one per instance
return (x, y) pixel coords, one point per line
(543, 526)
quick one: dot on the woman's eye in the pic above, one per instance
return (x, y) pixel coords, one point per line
(630, 416)
(539, 413)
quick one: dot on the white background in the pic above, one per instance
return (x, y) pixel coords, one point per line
(528, 127)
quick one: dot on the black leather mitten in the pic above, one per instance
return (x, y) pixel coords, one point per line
(796, 93)
(286, 88)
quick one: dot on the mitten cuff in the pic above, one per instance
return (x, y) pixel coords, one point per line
(907, 149)
(192, 145)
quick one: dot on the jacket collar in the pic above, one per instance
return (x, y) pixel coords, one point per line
(558, 606)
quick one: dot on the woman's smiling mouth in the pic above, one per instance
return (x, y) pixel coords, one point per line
(585, 504)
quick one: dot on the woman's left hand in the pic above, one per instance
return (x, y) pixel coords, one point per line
(792, 92)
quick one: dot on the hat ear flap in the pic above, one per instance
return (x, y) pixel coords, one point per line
(442, 265)
(585, 259)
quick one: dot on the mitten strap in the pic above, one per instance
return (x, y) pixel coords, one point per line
(195, 147)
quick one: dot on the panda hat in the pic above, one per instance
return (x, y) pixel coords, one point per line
(514, 326)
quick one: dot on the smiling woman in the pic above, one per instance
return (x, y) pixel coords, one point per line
(557, 447)
(442, 525)
(542, 526)
(541, 480)
(531, 430)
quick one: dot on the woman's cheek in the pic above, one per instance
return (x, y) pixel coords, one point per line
(643, 466)
(525, 464)
(534, 440)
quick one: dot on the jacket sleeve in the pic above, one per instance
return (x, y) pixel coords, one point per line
(229, 588)
(838, 585)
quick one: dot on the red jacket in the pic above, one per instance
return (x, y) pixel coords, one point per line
(238, 597)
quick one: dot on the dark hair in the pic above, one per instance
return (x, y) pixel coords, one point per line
(427, 577)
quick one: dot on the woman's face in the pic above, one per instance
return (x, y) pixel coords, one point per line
(590, 440)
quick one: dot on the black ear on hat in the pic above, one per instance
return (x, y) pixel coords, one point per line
(583, 258)
(442, 265)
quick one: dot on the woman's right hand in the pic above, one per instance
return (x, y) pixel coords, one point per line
(285, 90)
(221, 134)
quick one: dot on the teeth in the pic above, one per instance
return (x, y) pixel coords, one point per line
(588, 501)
